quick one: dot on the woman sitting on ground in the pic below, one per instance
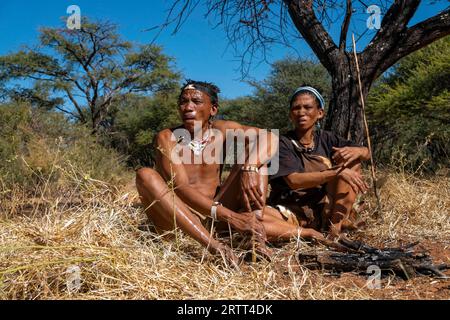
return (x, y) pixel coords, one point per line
(319, 174)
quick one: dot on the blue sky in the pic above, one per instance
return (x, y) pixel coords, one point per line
(200, 51)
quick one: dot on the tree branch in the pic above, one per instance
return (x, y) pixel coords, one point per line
(393, 25)
(94, 49)
(68, 112)
(76, 105)
(395, 20)
(302, 14)
(417, 37)
(406, 42)
(93, 80)
(345, 25)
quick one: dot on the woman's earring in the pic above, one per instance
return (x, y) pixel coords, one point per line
(318, 125)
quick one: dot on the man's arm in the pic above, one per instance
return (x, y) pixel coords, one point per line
(254, 157)
(259, 152)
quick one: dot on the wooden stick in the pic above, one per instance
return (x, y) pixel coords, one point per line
(366, 127)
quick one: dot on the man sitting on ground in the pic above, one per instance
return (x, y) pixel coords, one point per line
(183, 190)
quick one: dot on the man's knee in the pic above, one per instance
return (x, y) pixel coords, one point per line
(147, 177)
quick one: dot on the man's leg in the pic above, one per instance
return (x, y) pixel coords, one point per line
(230, 196)
(166, 211)
(277, 228)
(230, 190)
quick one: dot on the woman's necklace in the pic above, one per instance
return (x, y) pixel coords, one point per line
(308, 147)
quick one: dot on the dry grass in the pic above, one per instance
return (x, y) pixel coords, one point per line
(98, 228)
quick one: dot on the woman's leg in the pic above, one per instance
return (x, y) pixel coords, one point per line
(341, 199)
(280, 229)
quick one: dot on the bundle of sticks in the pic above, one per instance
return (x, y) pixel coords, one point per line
(357, 257)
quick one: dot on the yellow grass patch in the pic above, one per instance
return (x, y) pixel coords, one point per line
(100, 229)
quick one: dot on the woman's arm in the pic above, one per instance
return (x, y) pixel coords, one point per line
(347, 155)
(304, 180)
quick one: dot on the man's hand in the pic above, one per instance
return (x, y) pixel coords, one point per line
(347, 155)
(251, 191)
(228, 256)
(246, 223)
(354, 179)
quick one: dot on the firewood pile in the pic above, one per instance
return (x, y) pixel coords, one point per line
(355, 256)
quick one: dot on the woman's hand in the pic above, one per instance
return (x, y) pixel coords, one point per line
(251, 191)
(354, 179)
(347, 155)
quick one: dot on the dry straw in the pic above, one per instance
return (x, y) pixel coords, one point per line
(100, 229)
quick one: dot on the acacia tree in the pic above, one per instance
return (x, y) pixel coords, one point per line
(83, 72)
(254, 25)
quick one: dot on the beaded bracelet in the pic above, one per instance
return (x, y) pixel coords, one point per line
(214, 210)
(250, 169)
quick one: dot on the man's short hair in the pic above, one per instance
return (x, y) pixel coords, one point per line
(209, 88)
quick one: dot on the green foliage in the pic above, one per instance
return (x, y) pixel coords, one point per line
(37, 146)
(245, 110)
(268, 107)
(138, 120)
(83, 72)
(14, 136)
(409, 110)
(122, 92)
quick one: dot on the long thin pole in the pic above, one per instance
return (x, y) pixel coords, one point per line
(366, 127)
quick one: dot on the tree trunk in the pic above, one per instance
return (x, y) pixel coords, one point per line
(345, 116)
(96, 120)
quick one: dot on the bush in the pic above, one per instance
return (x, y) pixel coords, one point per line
(40, 146)
(138, 120)
(409, 111)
